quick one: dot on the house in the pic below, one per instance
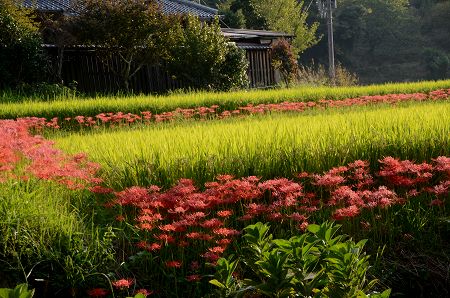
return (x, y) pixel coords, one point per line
(256, 43)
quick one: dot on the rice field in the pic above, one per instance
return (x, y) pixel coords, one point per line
(276, 145)
(90, 224)
(228, 101)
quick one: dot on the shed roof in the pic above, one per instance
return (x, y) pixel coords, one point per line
(167, 6)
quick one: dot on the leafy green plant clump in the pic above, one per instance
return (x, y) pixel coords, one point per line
(318, 263)
(20, 291)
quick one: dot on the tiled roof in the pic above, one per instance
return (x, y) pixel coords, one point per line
(46, 5)
(188, 7)
(167, 6)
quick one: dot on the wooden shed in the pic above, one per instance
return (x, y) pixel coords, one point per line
(81, 66)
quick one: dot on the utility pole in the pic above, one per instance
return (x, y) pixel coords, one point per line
(331, 69)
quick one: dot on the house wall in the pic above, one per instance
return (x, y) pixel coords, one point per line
(82, 68)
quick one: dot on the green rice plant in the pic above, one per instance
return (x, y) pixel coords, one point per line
(47, 233)
(228, 101)
(276, 145)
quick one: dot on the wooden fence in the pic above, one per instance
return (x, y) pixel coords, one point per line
(89, 74)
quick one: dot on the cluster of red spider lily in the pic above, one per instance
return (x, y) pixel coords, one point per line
(214, 111)
(23, 155)
(186, 216)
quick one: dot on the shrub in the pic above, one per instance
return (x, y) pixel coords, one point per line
(318, 263)
(21, 55)
(284, 60)
(233, 72)
(318, 76)
(204, 58)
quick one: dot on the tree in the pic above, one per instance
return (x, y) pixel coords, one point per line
(205, 59)
(242, 14)
(21, 57)
(135, 31)
(288, 16)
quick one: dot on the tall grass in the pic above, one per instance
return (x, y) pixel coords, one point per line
(47, 233)
(229, 101)
(269, 146)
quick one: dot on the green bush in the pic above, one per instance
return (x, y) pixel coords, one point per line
(21, 57)
(437, 63)
(205, 60)
(318, 263)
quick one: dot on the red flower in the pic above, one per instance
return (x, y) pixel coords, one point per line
(224, 213)
(173, 264)
(343, 213)
(226, 232)
(123, 283)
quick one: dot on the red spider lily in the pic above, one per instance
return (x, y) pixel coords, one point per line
(297, 217)
(41, 158)
(101, 190)
(122, 284)
(212, 223)
(303, 226)
(224, 213)
(173, 264)
(217, 249)
(146, 117)
(328, 180)
(344, 213)
(166, 238)
(224, 232)
(224, 242)
(210, 256)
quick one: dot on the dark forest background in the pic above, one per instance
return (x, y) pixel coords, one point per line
(379, 40)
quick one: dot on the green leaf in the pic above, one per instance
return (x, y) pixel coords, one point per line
(313, 228)
(385, 294)
(4, 293)
(217, 283)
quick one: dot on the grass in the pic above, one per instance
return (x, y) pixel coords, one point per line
(276, 145)
(231, 100)
(45, 228)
